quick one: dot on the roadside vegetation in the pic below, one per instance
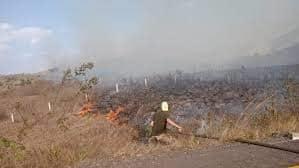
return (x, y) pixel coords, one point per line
(58, 137)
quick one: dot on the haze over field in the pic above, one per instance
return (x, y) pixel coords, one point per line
(84, 83)
(139, 37)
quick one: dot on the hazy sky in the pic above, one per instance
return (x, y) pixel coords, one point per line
(136, 36)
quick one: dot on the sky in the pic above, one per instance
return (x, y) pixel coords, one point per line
(139, 36)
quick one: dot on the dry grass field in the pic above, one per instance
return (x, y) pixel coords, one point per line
(59, 137)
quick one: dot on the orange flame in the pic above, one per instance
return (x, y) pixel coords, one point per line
(113, 115)
(87, 108)
(90, 107)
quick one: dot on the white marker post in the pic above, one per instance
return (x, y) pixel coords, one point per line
(49, 106)
(145, 82)
(12, 117)
(116, 88)
(175, 79)
(86, 97)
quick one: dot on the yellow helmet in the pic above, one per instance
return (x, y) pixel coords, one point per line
(164, 106)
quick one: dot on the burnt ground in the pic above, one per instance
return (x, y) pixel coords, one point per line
(230, 155)
(229, 106)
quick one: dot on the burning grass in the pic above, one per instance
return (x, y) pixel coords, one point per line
(88, 108)
(57, 138)
(113, 116)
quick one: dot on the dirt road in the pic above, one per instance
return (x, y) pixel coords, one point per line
(232, 156)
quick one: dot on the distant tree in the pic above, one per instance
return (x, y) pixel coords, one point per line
(80, 74)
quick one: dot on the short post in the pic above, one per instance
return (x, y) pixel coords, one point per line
(86, 97)
(12, 117)
(49, 106)
(145, 82)
(116, 88)
(175, 79)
